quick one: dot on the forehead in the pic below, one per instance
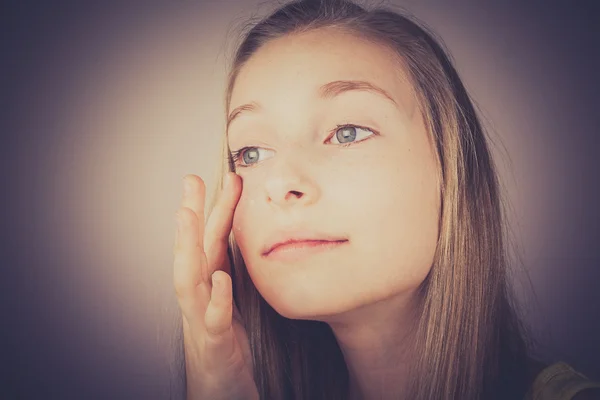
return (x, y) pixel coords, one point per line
(295, 66)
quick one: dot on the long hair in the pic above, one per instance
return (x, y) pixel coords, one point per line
(470, 340)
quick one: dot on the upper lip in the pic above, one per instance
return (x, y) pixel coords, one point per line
(281, 238)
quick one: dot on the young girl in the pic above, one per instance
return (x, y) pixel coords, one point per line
(357, 249)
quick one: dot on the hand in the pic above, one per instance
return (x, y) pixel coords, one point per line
(217, 353)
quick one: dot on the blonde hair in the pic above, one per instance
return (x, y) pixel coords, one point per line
(470, 340)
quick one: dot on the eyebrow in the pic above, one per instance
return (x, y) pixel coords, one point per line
(326, 91)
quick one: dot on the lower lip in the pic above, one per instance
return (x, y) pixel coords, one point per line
(299, 250)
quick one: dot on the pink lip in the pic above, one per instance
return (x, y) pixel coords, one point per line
(295, 250)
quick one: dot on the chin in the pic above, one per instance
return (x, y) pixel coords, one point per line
(305, 306)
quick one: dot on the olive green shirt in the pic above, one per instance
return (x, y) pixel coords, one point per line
(558, 382)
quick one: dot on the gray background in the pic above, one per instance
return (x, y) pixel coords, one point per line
(106, 107)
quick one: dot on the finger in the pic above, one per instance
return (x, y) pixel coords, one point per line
(194, 194)
(220, 221)
(218, 317)
(190, 275)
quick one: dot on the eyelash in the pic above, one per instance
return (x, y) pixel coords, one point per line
(235, 155)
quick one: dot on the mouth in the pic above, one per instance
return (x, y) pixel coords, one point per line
(295, 250)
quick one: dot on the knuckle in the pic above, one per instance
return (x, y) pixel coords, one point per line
(187, 271)
(177, 250)
(195, 182)
(216, 336)
(181, 255)
(182, 285)
(183, 288)
(182, 291)
(188, 214)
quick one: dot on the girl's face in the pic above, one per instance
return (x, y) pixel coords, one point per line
(380, 193)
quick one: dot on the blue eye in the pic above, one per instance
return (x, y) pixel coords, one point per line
(345, 134)
(247, 155)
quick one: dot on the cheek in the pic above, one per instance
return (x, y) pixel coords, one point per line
(243, 221)
(398, 221)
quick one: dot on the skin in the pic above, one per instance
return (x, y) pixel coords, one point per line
(381, 194)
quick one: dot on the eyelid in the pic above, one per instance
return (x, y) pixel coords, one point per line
(238, 154)
(338, 127)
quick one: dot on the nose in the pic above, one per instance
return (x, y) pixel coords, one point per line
(282, 191)
(290, 184)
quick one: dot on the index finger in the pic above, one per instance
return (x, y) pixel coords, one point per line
(220, 222)
(194, 193)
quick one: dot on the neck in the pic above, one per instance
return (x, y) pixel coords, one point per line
(377, 342)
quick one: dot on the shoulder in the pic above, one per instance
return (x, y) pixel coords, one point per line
(559, 381)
